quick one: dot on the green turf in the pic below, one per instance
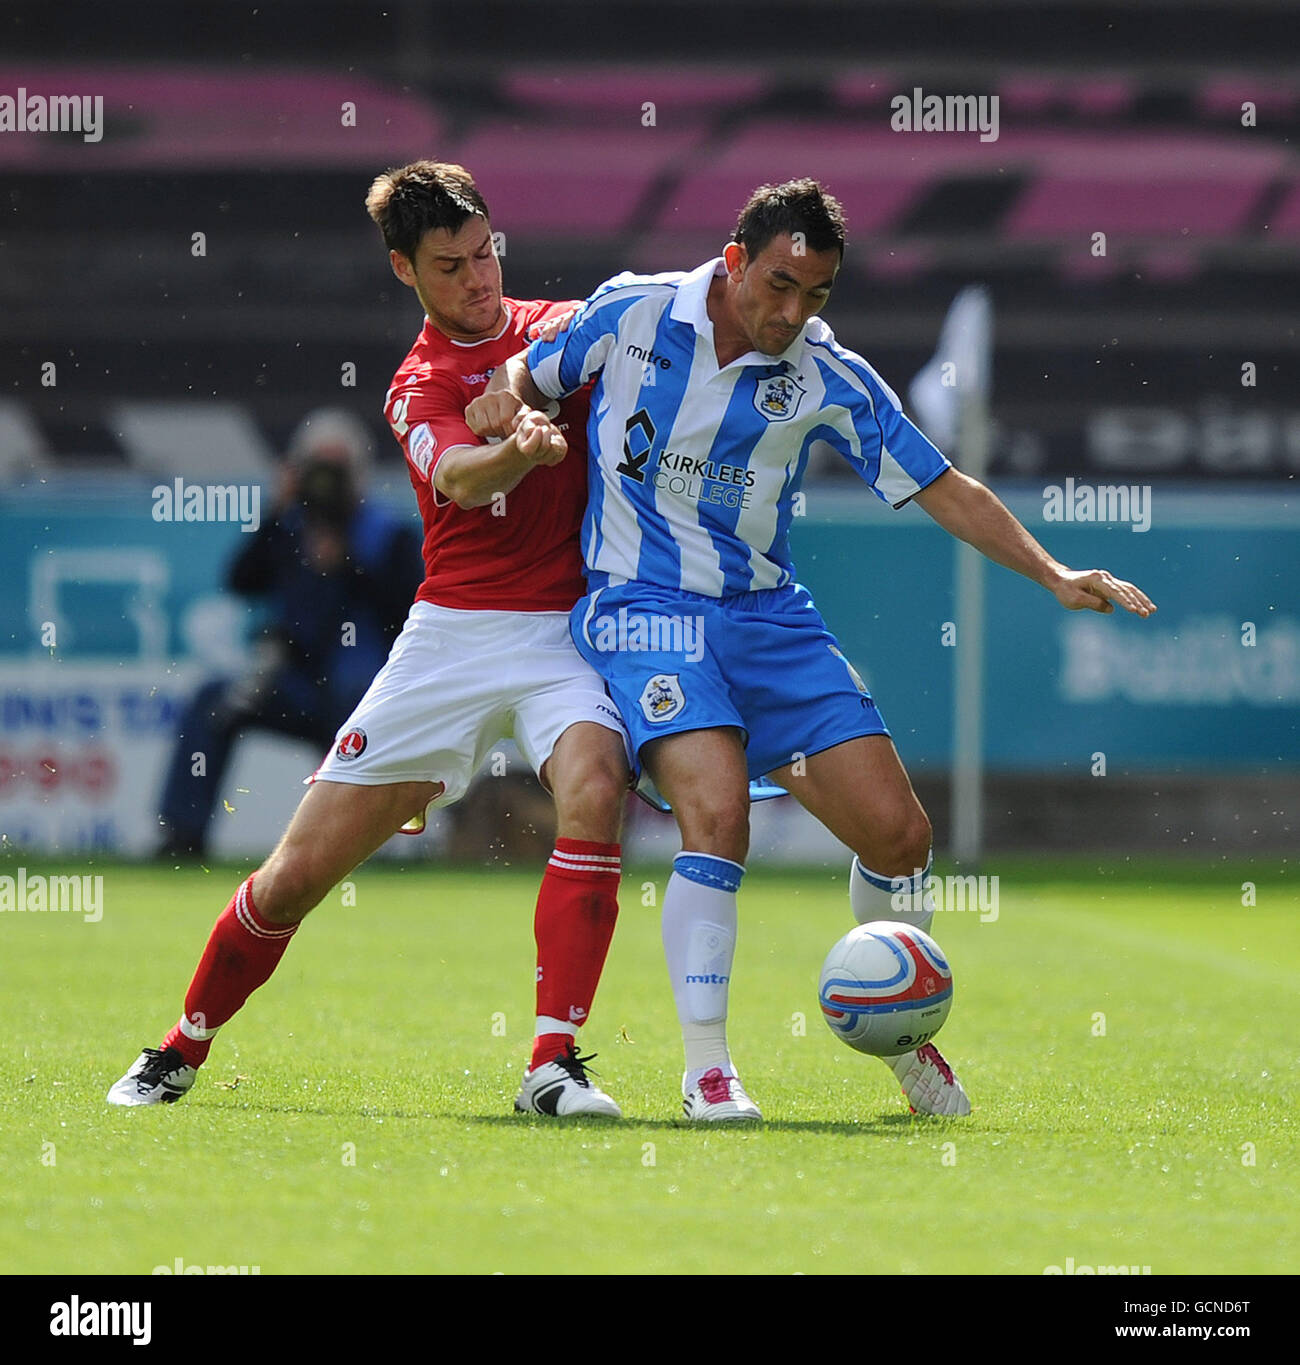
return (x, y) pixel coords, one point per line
(356, 1116)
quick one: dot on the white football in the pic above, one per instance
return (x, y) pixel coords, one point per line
(885, 988)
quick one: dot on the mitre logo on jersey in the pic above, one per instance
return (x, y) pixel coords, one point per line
(351, 746)
(662, 698)
(778, 398)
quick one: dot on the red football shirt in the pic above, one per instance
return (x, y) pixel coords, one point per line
(520, 553)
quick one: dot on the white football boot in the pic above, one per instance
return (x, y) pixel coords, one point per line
(155, 1077)
(719, 1098)
(928, 1082)
(562, 1088)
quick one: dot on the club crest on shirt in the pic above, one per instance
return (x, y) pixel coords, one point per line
(662, 697)
(351, 746)
(778, 398)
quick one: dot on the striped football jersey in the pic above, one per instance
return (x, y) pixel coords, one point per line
(694, 468)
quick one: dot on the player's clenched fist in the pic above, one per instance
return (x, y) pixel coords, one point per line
(494, 414)
(539, 439)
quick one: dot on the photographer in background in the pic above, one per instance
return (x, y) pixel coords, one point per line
(336, 576)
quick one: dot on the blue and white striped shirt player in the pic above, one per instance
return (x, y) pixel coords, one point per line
(694, 468)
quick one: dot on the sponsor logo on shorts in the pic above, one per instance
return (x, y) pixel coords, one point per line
(351, 746)
(662, 698)
(778, 398)
(612, 713)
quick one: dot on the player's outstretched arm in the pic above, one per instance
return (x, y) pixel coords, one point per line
(471, 476)
(965, 508)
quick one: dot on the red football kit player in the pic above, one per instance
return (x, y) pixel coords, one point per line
(520, 551)
(485, 655)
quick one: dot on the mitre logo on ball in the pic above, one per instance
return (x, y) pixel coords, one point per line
(885, 988)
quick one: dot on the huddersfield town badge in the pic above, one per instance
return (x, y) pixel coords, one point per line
(778, 398)
(662, 697)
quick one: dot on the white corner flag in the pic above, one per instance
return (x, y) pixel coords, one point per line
(961, 368)
(950, 396)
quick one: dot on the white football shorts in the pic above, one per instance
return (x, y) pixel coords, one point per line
(456, 683)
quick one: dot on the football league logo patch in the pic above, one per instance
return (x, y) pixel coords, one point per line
(778, 398)
(662, 698)
(422, 446)
(351, 746)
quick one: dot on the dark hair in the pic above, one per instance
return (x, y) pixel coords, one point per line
(410, 200)
(797, 206)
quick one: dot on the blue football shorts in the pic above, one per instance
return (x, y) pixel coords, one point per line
(763, 662)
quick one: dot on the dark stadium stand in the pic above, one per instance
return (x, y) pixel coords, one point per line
(600, 167)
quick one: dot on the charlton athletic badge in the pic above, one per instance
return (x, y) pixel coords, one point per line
(778, 398)
(351, 746)
(662, 698)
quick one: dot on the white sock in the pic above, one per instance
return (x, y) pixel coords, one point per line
(699, 933)
(905, 900)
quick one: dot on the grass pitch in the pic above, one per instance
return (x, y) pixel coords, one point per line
(1127, 1036)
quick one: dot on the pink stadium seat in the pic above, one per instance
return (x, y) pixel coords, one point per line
(1195, 187)
(203, 119)
(1203, 208)
(620, 91)
(580, 180)
(876, 173)
(1028, 96)
(1285, 221)
(866, 87)
(1223, 96)
(1103, 96)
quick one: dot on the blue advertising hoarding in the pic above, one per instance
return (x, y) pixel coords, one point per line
(113, 618)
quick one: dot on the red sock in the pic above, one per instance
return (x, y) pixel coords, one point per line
(576, 910)
(243, 950)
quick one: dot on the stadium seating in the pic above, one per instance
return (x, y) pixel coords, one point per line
(591, 169)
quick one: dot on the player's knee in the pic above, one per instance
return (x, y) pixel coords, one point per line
(900, 847)
(285, 889)
(718, 825)
(589, 803)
